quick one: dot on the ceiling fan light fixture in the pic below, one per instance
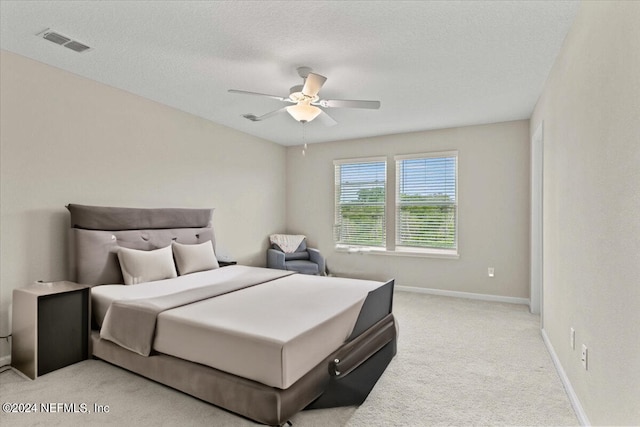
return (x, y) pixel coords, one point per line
(303, 112)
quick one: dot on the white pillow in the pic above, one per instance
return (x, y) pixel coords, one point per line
(192, 258)
(145, 266)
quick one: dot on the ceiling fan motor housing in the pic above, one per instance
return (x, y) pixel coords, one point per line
(303, 71)
(296, 95)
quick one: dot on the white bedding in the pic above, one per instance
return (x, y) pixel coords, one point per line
(272, 333)
(102, 296)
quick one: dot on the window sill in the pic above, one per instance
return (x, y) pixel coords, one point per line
(415, 253)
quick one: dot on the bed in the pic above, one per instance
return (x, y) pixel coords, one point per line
(262, 343)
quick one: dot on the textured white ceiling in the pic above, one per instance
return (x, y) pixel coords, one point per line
(431, 64)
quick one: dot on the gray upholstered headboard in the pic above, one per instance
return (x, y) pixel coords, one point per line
(97, 232)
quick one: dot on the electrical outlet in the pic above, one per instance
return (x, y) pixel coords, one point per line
(572, 339)
(584, 358)
(490, 271)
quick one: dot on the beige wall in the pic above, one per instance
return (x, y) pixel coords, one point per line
(66, 139)
(591, 112)
(493, 188)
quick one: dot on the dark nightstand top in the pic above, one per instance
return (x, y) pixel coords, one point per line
(226, 263)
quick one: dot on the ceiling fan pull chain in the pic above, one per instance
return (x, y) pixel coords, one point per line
(304, 141)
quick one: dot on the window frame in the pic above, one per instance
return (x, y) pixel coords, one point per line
(417, 250)
(351, 246)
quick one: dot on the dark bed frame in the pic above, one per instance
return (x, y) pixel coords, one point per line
(344, 378)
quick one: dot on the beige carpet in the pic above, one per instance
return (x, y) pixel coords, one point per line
(460, 362)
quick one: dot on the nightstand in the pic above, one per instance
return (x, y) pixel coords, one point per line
(50, 326)
(226, 263)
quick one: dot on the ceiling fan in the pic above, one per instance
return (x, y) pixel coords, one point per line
(305, 101)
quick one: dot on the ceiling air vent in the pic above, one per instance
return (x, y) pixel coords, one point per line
(78, 47)
(65, 41)
(56, 38)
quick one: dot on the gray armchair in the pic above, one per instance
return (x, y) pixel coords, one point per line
(304, 260)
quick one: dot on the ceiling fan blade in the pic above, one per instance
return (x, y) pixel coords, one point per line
(244, 92)
(326, 119)
(348, 103)
(312, 84)
(254, 118)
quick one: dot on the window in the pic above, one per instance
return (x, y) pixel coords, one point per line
(424, 190)
(426, 201)
(360, 193)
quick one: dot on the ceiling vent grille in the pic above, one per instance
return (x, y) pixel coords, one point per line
(78, 47)
(65, 41)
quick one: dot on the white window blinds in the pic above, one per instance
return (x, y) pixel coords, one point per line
(426, 201)
(360, 195)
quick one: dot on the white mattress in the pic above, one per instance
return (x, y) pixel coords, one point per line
(272, 333)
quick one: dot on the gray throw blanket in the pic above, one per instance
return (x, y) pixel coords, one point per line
(132, 323)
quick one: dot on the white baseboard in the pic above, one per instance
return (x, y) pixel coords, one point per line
(469, 295)
(573, 398)
(5, 360)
